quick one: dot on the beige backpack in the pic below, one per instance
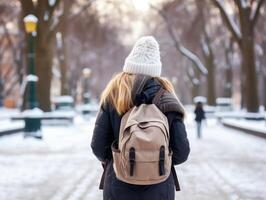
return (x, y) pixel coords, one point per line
(142, 155)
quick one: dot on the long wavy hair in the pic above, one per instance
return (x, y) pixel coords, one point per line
(118, 91)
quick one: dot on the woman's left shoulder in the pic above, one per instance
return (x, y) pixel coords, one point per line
(169, 103)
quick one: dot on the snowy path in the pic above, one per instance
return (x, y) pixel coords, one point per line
(226, 164)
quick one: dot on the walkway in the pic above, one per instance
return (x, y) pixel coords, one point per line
(225, 164)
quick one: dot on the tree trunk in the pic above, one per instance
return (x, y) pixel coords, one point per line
(249, 64)
(263, 71)
(209, 62)
(44, 57)
(228, 70)
(250, 78)
(264, 89)
(210, 80)
(208, 55)
(245, 39)
(62, 51)
(1, 91)
(63, 67)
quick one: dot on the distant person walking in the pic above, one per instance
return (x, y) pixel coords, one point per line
(139, 131)
(200, 115)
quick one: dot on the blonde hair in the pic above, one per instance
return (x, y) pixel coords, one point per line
(118, 91)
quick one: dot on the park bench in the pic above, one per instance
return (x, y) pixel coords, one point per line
(253, 130)
(15, 128)
(33, 121)
(48, 117)
(240, 115)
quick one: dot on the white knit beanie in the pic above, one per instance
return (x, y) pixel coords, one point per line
(144, 58)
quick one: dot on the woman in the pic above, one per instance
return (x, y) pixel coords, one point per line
(138, 84)
(200, 115)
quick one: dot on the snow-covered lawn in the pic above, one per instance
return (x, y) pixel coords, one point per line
(225, 164)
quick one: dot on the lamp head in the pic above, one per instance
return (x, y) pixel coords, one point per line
(86, 72)
(30, 22)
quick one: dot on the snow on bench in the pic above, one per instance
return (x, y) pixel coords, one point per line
(54, 116)
(241, 115)
(253, 127)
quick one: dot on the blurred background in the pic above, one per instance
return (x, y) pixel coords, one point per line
(56, 57)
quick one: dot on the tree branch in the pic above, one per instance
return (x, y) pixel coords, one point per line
(192, 80)
(238, 3)
(55, 27)
(10, 89)
(6, 33)
(53, 7)
(27, 7)
(234, 29)
(83, 8)
(183, 50)
(256, 12)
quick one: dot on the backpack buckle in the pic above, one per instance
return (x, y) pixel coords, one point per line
(161, 161)
(132, 157)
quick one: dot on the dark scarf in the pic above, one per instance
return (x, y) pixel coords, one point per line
(144, 90)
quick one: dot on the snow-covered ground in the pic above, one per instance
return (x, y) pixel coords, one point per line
(225, 164)
(61, 166)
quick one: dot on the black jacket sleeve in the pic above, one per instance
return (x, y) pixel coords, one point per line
(179, 143)
(102, 135)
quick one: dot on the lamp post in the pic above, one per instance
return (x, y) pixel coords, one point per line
(33, 115)
(30, 22)
(86, 94)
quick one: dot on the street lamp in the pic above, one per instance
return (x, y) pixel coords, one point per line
(86, 72)
(86, 93)
(32, 123)
(30, 22)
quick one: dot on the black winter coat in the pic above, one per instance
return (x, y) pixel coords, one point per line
(107, 130)
(200, 114)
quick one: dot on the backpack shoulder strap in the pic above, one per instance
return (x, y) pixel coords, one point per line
(177, 186)
(156, 99)
(103, 175)
(124, 120)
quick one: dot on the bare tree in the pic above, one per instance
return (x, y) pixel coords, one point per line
(248, 14)
(207, 51)
(93, 42)
(179, 47)
(10, 60)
